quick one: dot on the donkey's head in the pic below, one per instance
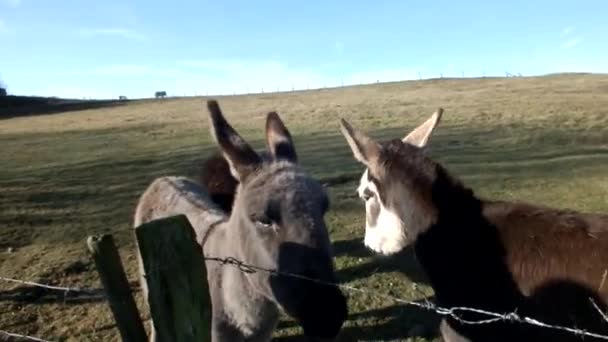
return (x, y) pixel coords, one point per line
(393, 185)
(277, 223)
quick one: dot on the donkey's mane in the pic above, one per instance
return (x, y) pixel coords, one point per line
(404, 163)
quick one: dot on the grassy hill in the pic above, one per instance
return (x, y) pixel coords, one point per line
(79, 172)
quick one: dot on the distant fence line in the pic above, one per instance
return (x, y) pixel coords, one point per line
(286, 88)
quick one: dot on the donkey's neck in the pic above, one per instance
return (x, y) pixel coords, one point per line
(233, 295)
(241, 302)
(245, 306)
(462, 252)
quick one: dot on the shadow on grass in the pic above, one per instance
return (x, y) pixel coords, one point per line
(38, 295)
(396, 322)
(352, 248)
(403, 262)
(32, 294)
(69, 202)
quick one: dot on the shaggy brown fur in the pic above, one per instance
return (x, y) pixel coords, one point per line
(541, 262)
(219, 182)
(545, 243)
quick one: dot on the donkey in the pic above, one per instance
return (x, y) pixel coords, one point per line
(216, 178)
(276, 223)
(498, 256)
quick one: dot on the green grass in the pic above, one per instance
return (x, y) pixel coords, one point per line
(69, 175)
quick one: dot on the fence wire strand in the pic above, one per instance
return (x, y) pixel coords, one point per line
(67, 291)
(454, 312)
(21, 337)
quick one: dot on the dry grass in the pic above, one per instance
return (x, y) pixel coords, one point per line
(66, 176)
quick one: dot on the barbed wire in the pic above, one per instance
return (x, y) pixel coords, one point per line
(22, 337)
(453, 312)
(67, 291)
(602, 313)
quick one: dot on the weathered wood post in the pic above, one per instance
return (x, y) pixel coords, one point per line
(116, 285)
(176, 276)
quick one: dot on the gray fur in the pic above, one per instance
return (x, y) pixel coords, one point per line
(276, 223)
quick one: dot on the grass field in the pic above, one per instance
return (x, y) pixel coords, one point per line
(68, 175)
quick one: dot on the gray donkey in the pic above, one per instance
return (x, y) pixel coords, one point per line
(276, 223)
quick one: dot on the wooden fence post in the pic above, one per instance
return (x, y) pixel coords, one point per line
(178, 293)
(117, 288)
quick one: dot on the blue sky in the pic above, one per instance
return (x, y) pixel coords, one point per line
(101, 49)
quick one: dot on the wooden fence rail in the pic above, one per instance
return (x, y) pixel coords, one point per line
(178, 293)
(176, 278)
(106, 258)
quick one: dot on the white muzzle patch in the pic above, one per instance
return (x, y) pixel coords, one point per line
(384, 230)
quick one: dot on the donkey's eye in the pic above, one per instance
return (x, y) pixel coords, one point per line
(265, 221)
(367, 194)
(262, 221)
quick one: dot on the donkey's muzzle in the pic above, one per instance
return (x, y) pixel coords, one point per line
(322, 312)
(319, 309)
(312, 298)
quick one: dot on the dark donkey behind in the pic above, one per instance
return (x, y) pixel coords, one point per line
(216, 177)
(276, 223)
(499, 256)
(218, 181)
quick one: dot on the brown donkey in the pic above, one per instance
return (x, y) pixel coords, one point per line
(218, 181)
(499, 256)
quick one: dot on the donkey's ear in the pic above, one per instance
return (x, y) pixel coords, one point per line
(241, 157)
(421, 134)
(279, 141)
(364, 148)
